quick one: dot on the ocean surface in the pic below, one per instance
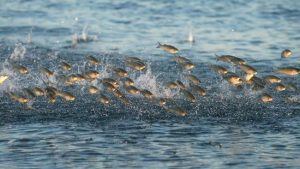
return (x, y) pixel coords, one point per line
(227, 128)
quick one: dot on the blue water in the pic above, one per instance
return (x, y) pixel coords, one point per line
(227, 128)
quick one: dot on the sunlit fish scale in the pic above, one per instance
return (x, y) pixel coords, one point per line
(132, 90)
(38, 91)
(192, 78)
(20, 69)
(120, 72)
(92, 60)
(108, 86)
(136, 65)
(266, 98)
(271, 79)
(29, 92)
(103, 99)
(168, 48)
(172, 85)
(66, 66)
(199, 90)
(180, 84)
(280, 87)
(91, 75)
(46, 72)
(93, 90)
(291, 71)
(291, 87)
(189, 96)
(127, 81)
(20, 99)
(177, 110)
(218, 69)
(181, 59)
(286, 53)
(3, 78)
(111, 81)
(66, 95)
(248, 69)
(147, 94)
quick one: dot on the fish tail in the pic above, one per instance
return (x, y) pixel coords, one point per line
(158, 45)
(217, 57)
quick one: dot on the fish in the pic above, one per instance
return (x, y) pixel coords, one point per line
(108, 86)
(181, 59)
(91, 75)
(177, 110)
(66, 66)
(127, 81)
(218, 69)
(19, 98)
(93, 90)
(291, 71)
(266, 98)
(3, 78)
(46, 72)
(188, 65)
(192, 78)
(286, 53)
(92, 60)
(248, 69)
(136, 65)
(103, 99)
(132, 90)
(199, 90)
(280, 87)
(111, 81)
(271, 79)
(231, 59)
(180, 84)
(168, 48)
(147, 94)
(66, 95)
(20, 69)
(133, 59)
(38, 91)
(120, 72)
(233, 79)
(172, 85)
(189, 96)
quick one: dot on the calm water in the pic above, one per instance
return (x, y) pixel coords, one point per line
(228, 128)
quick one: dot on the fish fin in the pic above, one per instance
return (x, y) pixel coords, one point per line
(158, 45)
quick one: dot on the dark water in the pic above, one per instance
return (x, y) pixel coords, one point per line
(228, 128)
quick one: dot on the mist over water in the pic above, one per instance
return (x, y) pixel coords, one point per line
(227, 128)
